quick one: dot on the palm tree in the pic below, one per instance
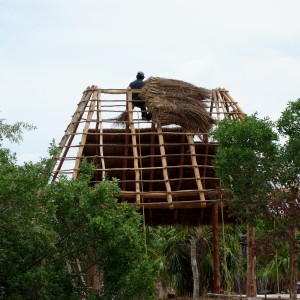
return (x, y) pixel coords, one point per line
(171, 245)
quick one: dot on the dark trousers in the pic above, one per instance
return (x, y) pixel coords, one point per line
(140, 104)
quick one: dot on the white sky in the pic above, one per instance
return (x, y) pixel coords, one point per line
(51, 50)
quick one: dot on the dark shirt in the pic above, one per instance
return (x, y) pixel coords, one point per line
(137, 84)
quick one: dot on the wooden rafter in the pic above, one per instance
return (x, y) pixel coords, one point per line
(165, 167)
(134, 150)
(84, 134)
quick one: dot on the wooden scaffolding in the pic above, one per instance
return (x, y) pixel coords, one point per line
(163, 169)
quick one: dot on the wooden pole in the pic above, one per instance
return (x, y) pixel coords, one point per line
(251, 263)
(84, 134)
(196, 169)
(134, 150)
(70, 131)
(100, 122)
(216, 249)
(165, 167)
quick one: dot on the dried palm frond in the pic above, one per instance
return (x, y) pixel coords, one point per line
(176, 102)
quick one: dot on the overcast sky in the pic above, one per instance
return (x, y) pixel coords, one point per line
(51, 50)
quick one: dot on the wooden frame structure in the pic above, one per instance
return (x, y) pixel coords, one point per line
(164, 170)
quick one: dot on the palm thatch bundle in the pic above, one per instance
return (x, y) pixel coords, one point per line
(177, 102)
(121, 119)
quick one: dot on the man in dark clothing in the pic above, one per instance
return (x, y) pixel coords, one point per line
(136, 99)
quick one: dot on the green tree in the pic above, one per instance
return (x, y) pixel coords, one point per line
(286, 202)
(26, 233)
(171, 247)
(246, 163)
(42, 225)
(89, 220)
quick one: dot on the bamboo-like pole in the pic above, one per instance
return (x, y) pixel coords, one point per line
(216, 103)
(70, 131)
(211, 106)
(216, 249)
(238, 111)
(84, 134)
(126, 148)
(176, 204)
(221, 101)
(196, 169)
(165, 166)
(181, 161)
(205, 140)
(114, 91)
(100, 122)
(76, 117)
(151, 164)
(134, 150)
(175, 194)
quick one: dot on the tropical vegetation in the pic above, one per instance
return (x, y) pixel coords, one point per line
(54, 235)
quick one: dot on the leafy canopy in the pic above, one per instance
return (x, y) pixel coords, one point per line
(42, 225)
(245, 162)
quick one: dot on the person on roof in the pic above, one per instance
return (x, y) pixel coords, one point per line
(136, 99)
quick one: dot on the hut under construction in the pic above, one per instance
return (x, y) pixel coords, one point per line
(164, 166)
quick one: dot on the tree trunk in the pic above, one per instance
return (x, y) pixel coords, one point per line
(293, 262)
(195, 270)
(94, 280)
(251, 289)
(216, 251)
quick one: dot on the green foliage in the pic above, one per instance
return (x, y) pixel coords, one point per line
(289, 121)
(13, 132)
(262, 177)
(289, 126)
(245, 162)
(170, 247)
(42, 225)
(88, 219)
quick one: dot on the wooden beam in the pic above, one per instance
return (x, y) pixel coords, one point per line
(84, 134)
(134, 150)
(165, 166)
(196, 168)
(70, 131)
(175, 194)
(100, 122)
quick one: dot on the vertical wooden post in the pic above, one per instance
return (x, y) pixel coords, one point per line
(216, 249)
(293, 262)
(251, 263)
